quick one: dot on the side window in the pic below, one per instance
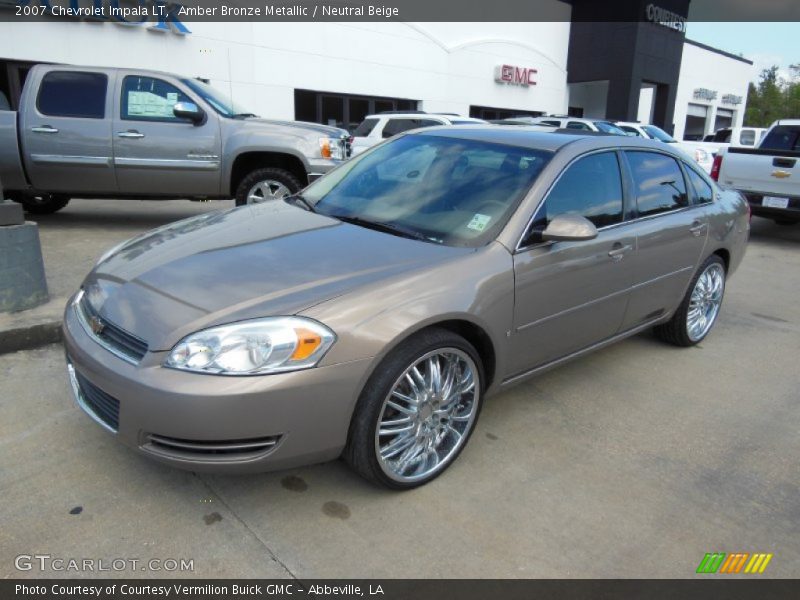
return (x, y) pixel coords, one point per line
(748, 137)
(553, 123)
(590, 187)
(703, 192)
(426, 123)
(73, 94)
(149, 99)
(366, 127)
(630, 130)
(578, 125)
(658, 183)
(395, 126)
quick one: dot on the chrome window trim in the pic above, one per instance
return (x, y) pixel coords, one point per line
(81, 316)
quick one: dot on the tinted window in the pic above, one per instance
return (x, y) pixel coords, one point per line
(782, 137)
(608, 128)
(578, 125)
(553, 123)
(703, 192)
(748, 137)
(722, 136)
(659, 185)
(395, 126)
(658, 134)
(73, 94)
(590, 187)
(146, 98)
(447, 190)
(366, 127)
(631, 130)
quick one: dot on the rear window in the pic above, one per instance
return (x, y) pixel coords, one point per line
(748, 137)
(723, 136)
(366, 127)
(658, 181)
(782, 137)
(73, 94)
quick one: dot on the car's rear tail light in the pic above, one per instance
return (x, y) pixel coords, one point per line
(715, 167)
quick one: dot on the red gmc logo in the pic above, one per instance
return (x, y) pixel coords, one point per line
(515, 75)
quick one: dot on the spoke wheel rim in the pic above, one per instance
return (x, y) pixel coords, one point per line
(267, 190)
(427, 416)
(705, 301)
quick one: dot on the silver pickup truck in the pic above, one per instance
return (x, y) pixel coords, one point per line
(117, 133)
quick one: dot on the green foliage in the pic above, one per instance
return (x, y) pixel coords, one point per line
(773, 97)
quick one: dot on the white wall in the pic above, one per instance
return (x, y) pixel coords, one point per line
(591, 96)
(701, 68)
(448, 66)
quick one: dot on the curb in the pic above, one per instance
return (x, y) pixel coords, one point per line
(28, 338)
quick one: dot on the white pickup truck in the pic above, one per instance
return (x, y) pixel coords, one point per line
(729, 137)
(769, 175)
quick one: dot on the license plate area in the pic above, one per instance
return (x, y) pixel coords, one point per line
(775, 202)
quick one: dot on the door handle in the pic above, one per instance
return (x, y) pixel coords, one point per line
(130, 134)
(618, 252)
(697, 228)
(44, 129)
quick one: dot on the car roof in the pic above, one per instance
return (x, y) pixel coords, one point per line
(528, 137)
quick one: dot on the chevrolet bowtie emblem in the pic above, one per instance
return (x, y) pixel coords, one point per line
(97, 325)
(781, 174)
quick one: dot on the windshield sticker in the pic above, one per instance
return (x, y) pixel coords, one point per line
(479, 222)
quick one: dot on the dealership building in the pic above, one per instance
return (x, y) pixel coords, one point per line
(640, 69)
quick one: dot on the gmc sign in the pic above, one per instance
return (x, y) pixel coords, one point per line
(515, 75)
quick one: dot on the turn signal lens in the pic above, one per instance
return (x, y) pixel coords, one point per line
(307, 343)
(325, 147)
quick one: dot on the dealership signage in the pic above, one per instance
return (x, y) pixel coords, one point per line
(731, 99)
(705, 94)
(512, 75)
(666, 18)
(157, 15)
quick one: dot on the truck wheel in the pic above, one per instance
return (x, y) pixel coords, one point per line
(43, 205)
(263, 185)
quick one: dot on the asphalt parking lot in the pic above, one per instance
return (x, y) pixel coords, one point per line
(632, 462)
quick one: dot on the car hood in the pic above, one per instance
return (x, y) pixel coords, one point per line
(249, 262)
(334, 132)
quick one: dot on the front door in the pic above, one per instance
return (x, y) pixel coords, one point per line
(155, 152)
(570, 295)
(66, 133)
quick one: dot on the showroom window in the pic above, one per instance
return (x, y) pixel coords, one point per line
(344, 110)
(150, 99)
(73, 94)
(658, 183)
(695, 128)
(591, 187)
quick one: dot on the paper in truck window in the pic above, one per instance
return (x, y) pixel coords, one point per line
(147, 104)
(479, 222)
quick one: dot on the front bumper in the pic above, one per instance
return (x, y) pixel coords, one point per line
(210, 422)
(317, 167)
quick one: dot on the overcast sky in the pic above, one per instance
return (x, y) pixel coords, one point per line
(766, 44)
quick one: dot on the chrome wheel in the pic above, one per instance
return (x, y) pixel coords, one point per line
(428, 415)
(705, 301)
(267, 190)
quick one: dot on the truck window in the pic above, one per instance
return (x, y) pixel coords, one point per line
(73, 94)
(366, 127)
(748, 137)
(150, 99)
(782, 137)
(723, 136)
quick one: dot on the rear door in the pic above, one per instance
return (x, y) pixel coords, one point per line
(157, 153)
(66, 132)
(570, 295)
(671, 231)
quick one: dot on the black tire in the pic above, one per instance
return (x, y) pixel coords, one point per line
(43, 205)
(675, 330)
(786, 222)
(360, 452)
(266, 174)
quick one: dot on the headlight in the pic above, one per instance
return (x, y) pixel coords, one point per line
(256, 347)
(330, 148)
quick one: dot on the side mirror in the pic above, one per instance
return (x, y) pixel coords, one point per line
(188, 110)
(569, 228)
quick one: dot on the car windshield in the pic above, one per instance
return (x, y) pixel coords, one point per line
(606, 127)
(658, 134)
(457, 192)
(218, 101)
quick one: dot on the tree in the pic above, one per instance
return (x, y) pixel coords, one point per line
(773, 97)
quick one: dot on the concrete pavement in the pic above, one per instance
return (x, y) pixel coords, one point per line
(632, 462)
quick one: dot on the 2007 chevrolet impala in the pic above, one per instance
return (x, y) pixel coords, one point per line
(371, 316)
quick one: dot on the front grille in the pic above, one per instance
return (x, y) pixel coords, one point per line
(114, 338)
(219, 450)
(105, 407)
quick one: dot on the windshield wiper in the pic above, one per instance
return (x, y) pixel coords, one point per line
(300, 198)
(386, 228)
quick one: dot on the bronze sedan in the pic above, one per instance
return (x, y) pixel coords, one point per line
(371, 316)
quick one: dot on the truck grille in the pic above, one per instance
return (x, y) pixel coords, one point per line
(115, 339)
(210, 450)
(104, 407)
